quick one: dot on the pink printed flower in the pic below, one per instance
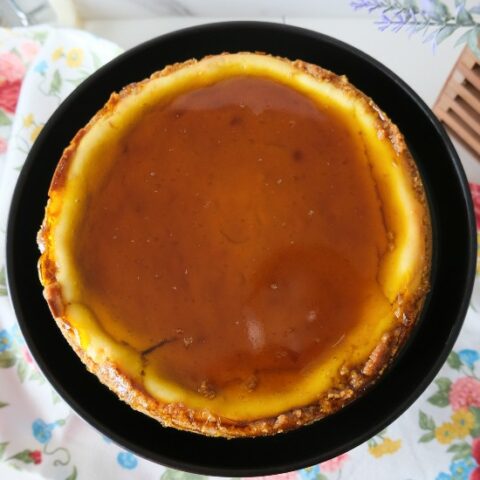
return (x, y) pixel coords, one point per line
(475, 475)
(29, 50)
(11, 67)
(282, 476)
(334, 464)
(465, 392)
(475, 191)
(9, 92)
(36, 456)
(27, 356)
(3, 145)
(476, 449)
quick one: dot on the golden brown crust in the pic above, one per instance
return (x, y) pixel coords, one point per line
(179, 416)
(354, 381)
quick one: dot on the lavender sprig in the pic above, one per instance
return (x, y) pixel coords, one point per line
(432, 19)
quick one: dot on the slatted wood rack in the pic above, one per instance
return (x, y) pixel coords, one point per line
(458, 105)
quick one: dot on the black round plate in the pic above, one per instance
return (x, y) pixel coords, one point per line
(452, 276)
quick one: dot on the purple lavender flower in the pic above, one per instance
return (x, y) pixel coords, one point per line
(432, 18)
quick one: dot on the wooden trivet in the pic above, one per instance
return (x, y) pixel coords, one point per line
(458, 105)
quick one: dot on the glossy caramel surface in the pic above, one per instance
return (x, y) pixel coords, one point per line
(237, 239)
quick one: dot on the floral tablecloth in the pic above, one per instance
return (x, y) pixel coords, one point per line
(41, 438)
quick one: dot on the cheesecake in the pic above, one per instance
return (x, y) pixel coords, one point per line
(237, 246)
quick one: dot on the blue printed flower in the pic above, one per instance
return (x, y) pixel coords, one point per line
(461, 469)
(5, 340)
(310, 473)
(127, 460)
(41, 67)
(42, 431)
(17, 335)
(443, 476)
(468, 357)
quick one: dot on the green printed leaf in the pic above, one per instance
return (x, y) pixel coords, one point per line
(372, 443)
(427, 437)
(475, 432)
(4, 120)
(439, 399)
(457, 446)
(55, 397)
(454, 361)
(7, 359)
(321, 476)
(444, 384)
(73, 475)
(35, 375)
(3, 404)
(2, 270)
(425, 422)
(22, 368)
(40, 36)
(23, 456)
(56, 84)
(170, 474)
(3, 447)
(463, 450)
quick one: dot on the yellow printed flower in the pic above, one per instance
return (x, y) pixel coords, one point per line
(57, 53)
(463, 421)
(387, 447)
(74, 57)
(28, 120)
(391, 446)
(376, 450)
(445, 433)
(35, 132)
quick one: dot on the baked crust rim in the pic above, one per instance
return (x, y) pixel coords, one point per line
(354, 381)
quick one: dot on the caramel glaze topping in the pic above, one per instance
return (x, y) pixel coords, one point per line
(237, 238)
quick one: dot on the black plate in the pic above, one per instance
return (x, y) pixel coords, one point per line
(454, 254)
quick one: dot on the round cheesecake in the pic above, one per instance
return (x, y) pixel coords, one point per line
(237, 246)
